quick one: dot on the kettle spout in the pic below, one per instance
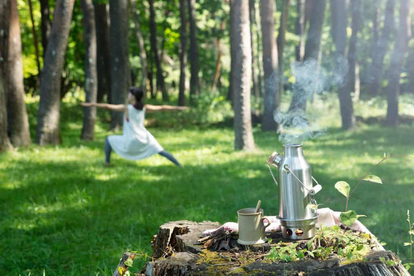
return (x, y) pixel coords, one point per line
(274, 159)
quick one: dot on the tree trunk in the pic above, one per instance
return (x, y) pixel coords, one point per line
(4, 138)
(230, 95)
(18, 123)
(339, 26)
(375, 29)
(103, 51)
(381, 48)
(353, 50)
(313, 41)
(300, 30)
(183, 53)
(89, 115)
(154, 48)
(45, 23)
(141, 46)
(153, 91)
(48, 131)
(164, 27)
(281, 38)
(397, 58)
(259, 45)
(271, 99)
(410, 71)
(240, 35)
(194, 60)
(120, 71)
(309, 10)
(4, 40)
(218, 62)
(252, 18)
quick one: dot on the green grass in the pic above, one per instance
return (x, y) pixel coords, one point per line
(63, 213)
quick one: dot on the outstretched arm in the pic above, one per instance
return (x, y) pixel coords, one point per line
(112, 107)
(154, 108)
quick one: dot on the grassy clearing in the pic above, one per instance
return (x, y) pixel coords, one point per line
(63, 213)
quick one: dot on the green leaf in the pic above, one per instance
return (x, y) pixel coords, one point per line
(343, 187)
(373, 179)
(348, 218)
(129, 262)
(310, 242)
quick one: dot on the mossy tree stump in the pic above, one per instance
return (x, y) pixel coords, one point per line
(177, 251)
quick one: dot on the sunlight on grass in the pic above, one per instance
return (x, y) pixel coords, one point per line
(106, 177)
(75, 126)
(11, 185)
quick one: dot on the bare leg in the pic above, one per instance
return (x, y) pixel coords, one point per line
(170, 157)
(108, 150)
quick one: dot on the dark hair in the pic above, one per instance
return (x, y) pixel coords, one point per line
(138, 94)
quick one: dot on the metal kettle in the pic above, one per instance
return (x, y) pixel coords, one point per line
(297, 205)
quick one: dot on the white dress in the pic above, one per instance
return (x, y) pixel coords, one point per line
(136, 142)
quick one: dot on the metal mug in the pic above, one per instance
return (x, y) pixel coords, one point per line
(251, 226)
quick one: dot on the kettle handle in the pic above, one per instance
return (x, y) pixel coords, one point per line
(271, 173)
(315, 189)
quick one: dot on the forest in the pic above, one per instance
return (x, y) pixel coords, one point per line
(192, 55)
(335, 75)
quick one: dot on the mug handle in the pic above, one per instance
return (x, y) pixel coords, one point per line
(268, 222)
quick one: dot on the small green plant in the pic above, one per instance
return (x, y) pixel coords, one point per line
(286, 253)
(350, 216)
(348, 245)
(411, 242)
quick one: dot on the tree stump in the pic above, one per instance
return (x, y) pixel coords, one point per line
(177, 251)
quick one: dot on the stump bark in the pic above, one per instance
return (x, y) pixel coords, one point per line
(177, 251)
(180, 236)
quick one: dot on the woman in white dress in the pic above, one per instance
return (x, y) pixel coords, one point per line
(136, 142)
